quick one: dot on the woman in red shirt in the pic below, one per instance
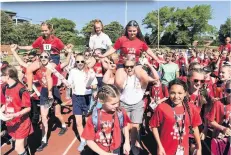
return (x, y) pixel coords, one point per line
(16, 107)
(131, 46)
(176, 119)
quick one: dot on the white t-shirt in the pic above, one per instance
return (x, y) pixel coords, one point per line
(101, 41)
(80, 80)
(133, 92)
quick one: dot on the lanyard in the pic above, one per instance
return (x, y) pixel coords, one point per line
(180, 130)
(112, 130)
(156, 94)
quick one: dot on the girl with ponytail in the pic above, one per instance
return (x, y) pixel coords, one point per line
(103, 129)
(176, 119)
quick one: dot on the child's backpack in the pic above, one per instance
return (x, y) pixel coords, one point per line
(95, 119)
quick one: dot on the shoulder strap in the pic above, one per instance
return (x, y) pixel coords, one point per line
(4, 89)
(121, 118)
(163, 89)
(95, 119)
(21, 91)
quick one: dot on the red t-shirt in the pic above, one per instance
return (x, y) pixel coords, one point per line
(225, 47)
(98, 69)
(158, 93)
(163, 118)
(3, 99)
(195, 100)
(106, 122)
(41, 75)
(194, 59)
(181, 62)
(209, 87)
(56, 44)
(218, 114)
(132, 48)
(18, 127)
(205, 62)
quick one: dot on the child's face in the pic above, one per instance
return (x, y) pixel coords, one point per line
(111, 104)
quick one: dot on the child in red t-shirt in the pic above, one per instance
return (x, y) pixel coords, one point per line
(219, 118)
(16, 107)
(104, 126)
(175, 119)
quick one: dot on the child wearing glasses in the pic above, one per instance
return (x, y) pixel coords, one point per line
(103, 130)
(49, 91)
(83, 81)
(220, 119)
(17, 106)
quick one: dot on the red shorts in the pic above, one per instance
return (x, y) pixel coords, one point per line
(21, 129)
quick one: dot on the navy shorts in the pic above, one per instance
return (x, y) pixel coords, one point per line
(44, 95)
(100, 81)
(81, 104)
(55, 58)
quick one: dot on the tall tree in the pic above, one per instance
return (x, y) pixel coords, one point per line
(6, 28)
(114, 30)
(87, 31)
(26, 33)
(225, 30)
(179, 26)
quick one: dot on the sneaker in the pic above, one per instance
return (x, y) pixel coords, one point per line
(42, 146)
(62, 131)
(82, 145)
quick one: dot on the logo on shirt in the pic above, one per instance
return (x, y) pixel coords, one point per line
(106, 127)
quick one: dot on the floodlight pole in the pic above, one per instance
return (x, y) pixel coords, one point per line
(126, 14)
(158, 33)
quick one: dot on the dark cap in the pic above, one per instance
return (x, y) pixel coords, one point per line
(33, 53)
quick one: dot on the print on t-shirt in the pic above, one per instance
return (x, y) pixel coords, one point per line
(175, 133)
(106, 127)
(9, 100)
(131, 53)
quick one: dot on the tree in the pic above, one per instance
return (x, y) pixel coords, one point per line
(6, 28)
(179, 26)
(114, 30)
(62, 25)
(225, 30)
(65, 30)
(87, 31)
(26, 33)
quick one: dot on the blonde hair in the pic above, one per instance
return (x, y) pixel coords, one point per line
(107, 91)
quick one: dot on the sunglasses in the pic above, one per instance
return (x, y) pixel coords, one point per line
(87, 55)
(129, 67)
(80, 62)
(196, 81)
(228, 91)
(46, 57)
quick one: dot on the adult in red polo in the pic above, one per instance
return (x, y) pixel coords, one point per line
(47, 42)
(226, 46)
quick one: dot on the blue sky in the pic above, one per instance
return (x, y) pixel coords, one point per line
(82, 12)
